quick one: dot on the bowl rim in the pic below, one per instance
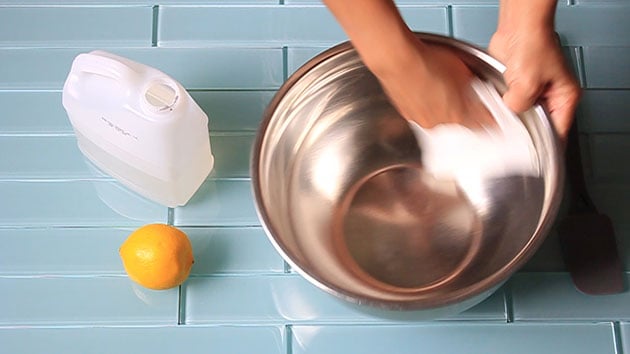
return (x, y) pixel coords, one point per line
(480, 288)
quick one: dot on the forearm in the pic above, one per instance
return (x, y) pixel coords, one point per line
(377, 31)
(526, 15)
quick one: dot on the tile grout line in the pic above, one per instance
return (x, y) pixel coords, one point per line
(449, 20)
(181, 317)
(580, 67)
(508, 303)
(170, 217)
(285, 63)
(154, 28)
(288, 331)
(617, 341)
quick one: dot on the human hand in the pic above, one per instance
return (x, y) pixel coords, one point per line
(537, 71)
(426, 83)
(431, 85)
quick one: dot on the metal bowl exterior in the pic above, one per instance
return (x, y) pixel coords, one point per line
(331, 144)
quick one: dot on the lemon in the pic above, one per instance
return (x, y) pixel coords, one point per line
(157, 256)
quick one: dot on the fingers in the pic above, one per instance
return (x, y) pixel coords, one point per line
(562, 104)
(560, 96)
(522, 93)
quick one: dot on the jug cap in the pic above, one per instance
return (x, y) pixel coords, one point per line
(160, 96)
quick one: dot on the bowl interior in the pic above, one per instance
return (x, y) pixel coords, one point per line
(340, 188)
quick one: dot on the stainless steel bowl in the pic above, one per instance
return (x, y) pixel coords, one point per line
(339, 186)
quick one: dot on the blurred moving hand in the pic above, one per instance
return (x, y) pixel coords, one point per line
(537, 71)
(429, 84)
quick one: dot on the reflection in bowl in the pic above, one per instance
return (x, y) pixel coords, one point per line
(340, 188)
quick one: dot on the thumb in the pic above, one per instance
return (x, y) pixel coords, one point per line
(521, 95)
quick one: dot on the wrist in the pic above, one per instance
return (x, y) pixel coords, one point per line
(518, 16)
(396, 55)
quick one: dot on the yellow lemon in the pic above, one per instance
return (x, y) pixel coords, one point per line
(157, 256)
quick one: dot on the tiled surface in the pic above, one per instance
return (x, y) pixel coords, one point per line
(477, 23)
(539, 296)
(74, 203)
(62, 285)
(233, 110)
(280, 25)
(461, 338)
(46, 300)
(241, 68)
(219, 203)
(233, 251)
(26, 251)
(290, 298)
(41, 157)
(607, 67)
(71, 26)
(605, 111)
(134, 340)
(23, 112)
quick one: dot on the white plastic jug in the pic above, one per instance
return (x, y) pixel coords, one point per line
(139, 126)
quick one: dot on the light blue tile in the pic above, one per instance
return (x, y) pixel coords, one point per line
(247, 24)
(298, 56)
(456, 338)
(217, 67)
(478, 23)
(426, 18)
(492, 308)
(624, 329)
(475, 24)
(77, 251)
(83, 300)
(607, 151)
(76, 26)
(43, 157)
(278, 299)
(605, 111)
(143, 340)
(219, 203)
(140, 2)
(277, 25)
(28, 68)
(235, 300)
(601, 2)
(58, 157)
(231, 155)
(75, 203)
(233, 110)
(233, 250)
(607, 67)
(195, 68)
(609, 25)
(552, 296)
(410, 2)
(33, 112)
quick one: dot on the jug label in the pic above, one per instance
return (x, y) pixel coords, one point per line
(118, 129)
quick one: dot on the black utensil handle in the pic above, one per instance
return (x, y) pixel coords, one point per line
(580, 201)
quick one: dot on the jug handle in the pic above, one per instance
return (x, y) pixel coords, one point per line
(103, 66)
